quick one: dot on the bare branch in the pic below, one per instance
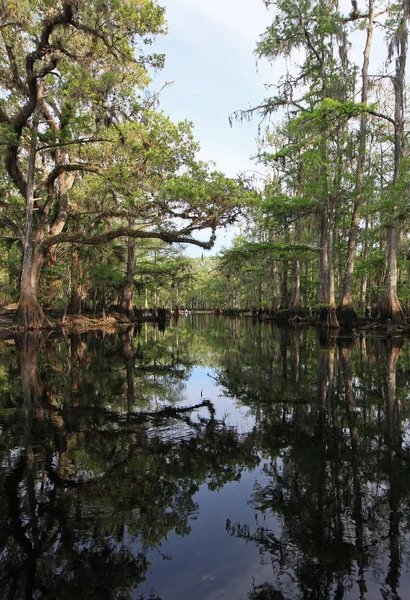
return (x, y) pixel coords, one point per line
(380, 116)
(265, 109)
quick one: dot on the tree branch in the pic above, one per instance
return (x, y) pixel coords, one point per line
(380, 116)
(14, 69)
(265, 109)
(69, 168)
(74, 142)
(170, 237)
(13, 169)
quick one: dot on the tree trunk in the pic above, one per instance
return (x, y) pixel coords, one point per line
(392, 308)
(284, 304)
(327, 316)
(364, 304)
(177, 299)
(324, 259)
(260, 291)
(29, 314)
(345, 310)
(295, 285)
(75, 301)
(332, 318)
(295, 293)
(274, 287)
(128, 288)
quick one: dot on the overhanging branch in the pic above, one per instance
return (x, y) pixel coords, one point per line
(170, 237)
(69, 168)
(380, 116)
(80, 141)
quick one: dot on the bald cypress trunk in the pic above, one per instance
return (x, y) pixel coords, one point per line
(328, 318)
(392, 309)
(127, 293)
(345, 310)
(30, 315)
(295, 293)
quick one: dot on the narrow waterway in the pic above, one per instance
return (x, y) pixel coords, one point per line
(218, 459)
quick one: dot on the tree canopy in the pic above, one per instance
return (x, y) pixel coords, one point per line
(85, 154)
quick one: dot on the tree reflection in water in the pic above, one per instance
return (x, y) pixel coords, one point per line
(91, 483)
(103, 454)
(338, 470)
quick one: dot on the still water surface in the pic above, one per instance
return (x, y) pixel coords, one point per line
(218, 459)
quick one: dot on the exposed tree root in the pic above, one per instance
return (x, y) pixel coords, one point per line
(328, 318)
(30, 316)
(346, 316)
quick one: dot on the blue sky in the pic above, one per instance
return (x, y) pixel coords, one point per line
(209, 55)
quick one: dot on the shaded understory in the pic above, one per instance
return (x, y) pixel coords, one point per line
(348, 321)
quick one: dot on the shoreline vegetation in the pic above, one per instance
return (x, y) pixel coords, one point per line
(111, 320)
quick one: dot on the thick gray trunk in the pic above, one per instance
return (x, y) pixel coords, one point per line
(29, 312)
(295, 293)
(30, 315)
(392, 308)
(328, 316)
(128, 288)
(346, 300)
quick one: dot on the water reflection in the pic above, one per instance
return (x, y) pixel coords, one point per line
(338, 472)
(215, 459)
(90, 484)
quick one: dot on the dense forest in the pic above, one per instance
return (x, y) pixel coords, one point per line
(101, 193)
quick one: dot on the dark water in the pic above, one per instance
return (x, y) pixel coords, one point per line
(215, 460)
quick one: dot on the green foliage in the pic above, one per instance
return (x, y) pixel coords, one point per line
(106, 274)
(108, 164)
(327, 114)
(330, 157)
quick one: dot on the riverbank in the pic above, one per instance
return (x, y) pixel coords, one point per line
(113, 319)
